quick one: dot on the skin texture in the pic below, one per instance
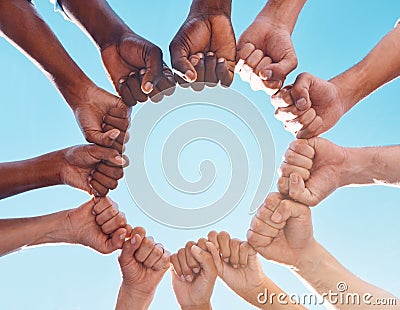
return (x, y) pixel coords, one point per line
(312, 106)
(282, 231)
(193, 290)
(90, 104)
(143, 264)
(314, 168)
(104, 231)
(204, 49)
(134, 65)
(265, 50)
(91, 168)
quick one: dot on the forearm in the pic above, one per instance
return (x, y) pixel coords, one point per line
(372, 165)
(283, 11)
(32, 231)
(199, 307)
(332, 281)
(379, 67)
(21, 24)
(211, 7)
(21, 176)
(129, 300)
(87, 15)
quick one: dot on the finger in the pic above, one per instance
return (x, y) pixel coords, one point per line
(126, 95)
(133, 83)
(118, 112)
(271, 202)
(215, 256)
(234, 245)
(118, 221)
(264, 62)
(97, 189)
(139, 231)
(302, 147)
(120, 139)
(244, 251)
(155, 255)
(262, 228)
(290, 209)
(163, 263)
(223, 73)
(255, 58)
(156, 96)
(299, 192)
(99, 153)
(154, 69)
(106, 138)
(180, 63)
(167, 83)
(223, 240)
(110, 171)
(262, 218)
(199, 66)
(116, 240)
(212, 237)
(120, 123)
(301, 91)
(282, 98)
(187, 274)
(146, 247)
(306, 119)
(104, 180)
(245, 51)
(191, 262)
(296, 159)
(210, 75)
(283, 185)
(177, 267)
(201, 243)
(128, 249)
(286, 170)
(258, 241)
(205, 260)
(279, 71)
(312, 130)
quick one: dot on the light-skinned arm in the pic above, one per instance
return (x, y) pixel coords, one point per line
(312, 106)
(265, 50)
(315, 168)
(282, 231)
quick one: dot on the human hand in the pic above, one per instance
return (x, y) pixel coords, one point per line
(237, 265)
(92, 168)
(266, 54)
(309, 107)
(97, 224)
(136, 69)
(204, 48)
(143, 264)
(103, 118)
(312, 170)
(193, 289)
(281, 230)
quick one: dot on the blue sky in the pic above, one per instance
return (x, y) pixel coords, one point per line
(359, 226)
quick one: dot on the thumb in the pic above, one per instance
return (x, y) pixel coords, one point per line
(298, 190)
(204, 259)
(99, 153)
(215, 256)
(116, 241)
(301, 91)
(154, 69)
(180, 62)
(289, 209)
(128, 249)
(103, 138)
(278, 71)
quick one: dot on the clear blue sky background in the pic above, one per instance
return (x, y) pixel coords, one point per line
(358, 225)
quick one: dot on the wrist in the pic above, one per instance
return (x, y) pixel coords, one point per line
(136, 300)
(75, 90)
(205, 306)
(211, 7)
(282, 12)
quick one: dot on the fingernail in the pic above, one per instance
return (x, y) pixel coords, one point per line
(235, 266)
(200, 55)
(132, 73)
(221, 60)
(142, 71)
(120, 159)
(133, 240)
(194, 61)
(121, 81)
(301, 103)
(189, 76)
(122, 236)
(210, 54)
(266, 75)
(89, 178)
(226, 260)
(103, 125)
(148, 87)
(276, 217)
(115, 134)
(196, 270)
(94, 213)
(183, 278)
(189, 278)
(242, 266)
(196, 249)
(294, 179)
